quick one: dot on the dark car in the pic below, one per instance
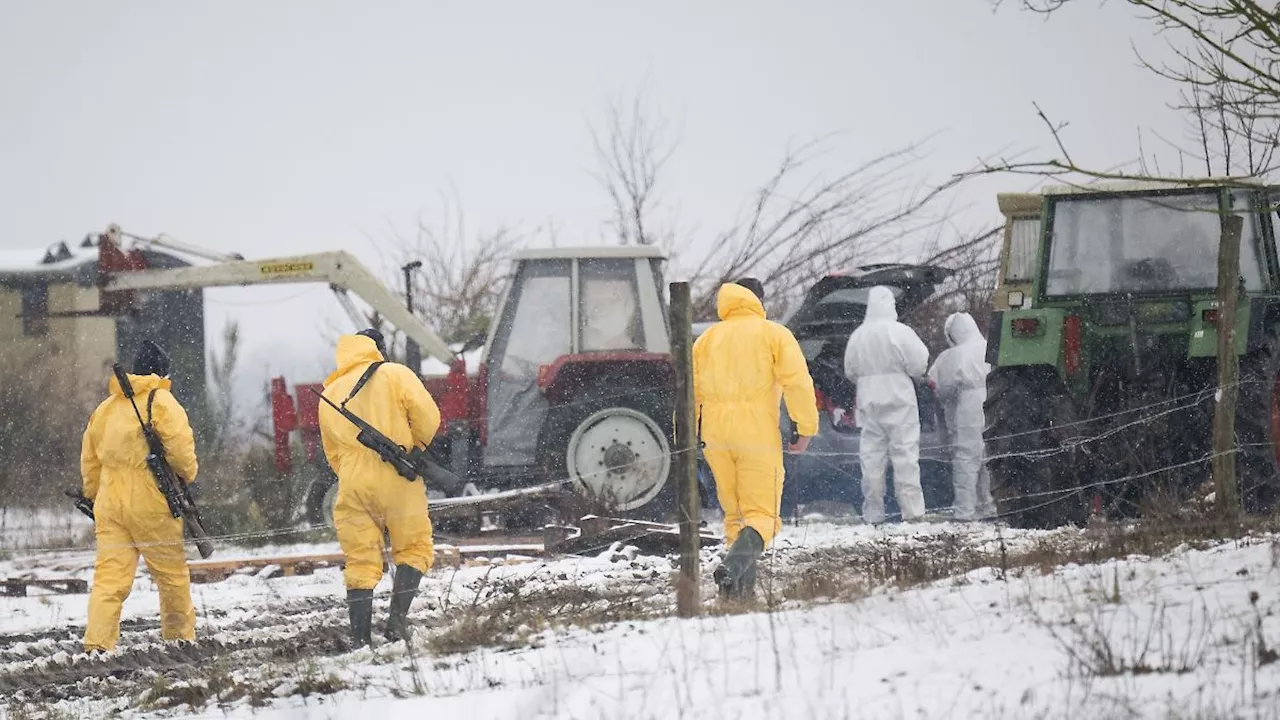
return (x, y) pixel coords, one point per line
(829, 471)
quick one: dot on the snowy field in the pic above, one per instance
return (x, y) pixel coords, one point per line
(919, 621)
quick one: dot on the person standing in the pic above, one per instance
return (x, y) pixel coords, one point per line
(884, 357)
(372, 496)
(131, 516)
(743, 366)
(960, 376)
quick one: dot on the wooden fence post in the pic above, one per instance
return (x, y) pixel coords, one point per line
(688, 602)
(1224, 416)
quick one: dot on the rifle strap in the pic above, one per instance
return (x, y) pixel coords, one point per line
(151, 397)
(360, 383)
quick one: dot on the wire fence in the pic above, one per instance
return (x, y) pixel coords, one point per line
(1141, 415)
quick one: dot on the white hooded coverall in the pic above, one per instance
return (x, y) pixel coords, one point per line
(960, 375)
(882, 357)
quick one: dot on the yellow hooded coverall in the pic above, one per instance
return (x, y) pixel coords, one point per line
(742, 368)
(131, 514)
(372, 496)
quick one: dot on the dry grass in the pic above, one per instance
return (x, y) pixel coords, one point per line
(508, 613)
(845, 574)
(220, 686)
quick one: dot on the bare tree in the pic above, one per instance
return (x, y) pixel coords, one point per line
(974, 259)
(632, 151)
(801, 225)
(1227, 65)
(1231, 135)
(460, 281)
(225, 426)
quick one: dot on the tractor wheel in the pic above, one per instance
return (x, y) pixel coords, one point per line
(1033, 485)
(321, 496)
(614, 450)
(1258, 425)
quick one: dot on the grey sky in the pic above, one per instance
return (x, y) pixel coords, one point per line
(289, 127)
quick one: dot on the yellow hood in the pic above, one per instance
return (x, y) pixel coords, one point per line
(736, 301)
(353, 350)
(142, 384)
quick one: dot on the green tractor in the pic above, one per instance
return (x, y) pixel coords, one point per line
(1103, 350)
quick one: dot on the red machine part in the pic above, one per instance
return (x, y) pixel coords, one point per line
(284, 418)
(1071, 341)
(309, 418)
(113, 259)
(558, 379)
(288, 415)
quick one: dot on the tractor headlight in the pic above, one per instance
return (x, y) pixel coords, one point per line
(1016, 298)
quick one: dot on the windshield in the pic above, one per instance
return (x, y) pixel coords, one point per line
(1143, 244)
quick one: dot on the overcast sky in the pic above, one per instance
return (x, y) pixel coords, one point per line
(291, 127)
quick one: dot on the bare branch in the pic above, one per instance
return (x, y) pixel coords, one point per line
(631, 154)
(1227, 61)
(457, 288)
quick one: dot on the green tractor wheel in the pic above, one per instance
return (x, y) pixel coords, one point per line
(1034, 477)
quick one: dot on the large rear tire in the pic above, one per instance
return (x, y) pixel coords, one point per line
(1258, 425)
(614, 450)
(1033, 477)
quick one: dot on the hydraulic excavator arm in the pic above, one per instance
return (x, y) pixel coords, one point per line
(341, 270)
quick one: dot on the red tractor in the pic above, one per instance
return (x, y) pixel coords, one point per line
(572, 391)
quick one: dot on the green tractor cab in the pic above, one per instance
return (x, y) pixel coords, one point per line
(1103, 350)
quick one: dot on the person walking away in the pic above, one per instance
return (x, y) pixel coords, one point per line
(743, 366)
(960, 376)
(883, 358)
(372, 496)
(131, 516)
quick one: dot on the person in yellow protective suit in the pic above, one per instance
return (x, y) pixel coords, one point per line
(372, 496)
(743, 367)
(130, 514)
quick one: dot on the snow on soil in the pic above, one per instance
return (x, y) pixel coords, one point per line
(1176, 636)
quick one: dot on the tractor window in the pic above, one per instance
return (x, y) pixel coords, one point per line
(535, 329)
(1251, 260)
(1140, 244)
(538, 332)
(1024, 237)
(609, 305)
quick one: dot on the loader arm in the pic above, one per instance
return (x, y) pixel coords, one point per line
(339, 269)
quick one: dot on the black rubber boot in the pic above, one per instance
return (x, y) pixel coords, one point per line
(360, 610)
(404, 590)
(736, 576)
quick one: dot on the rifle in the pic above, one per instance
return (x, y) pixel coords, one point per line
(82, 503)
(175, 491)
(409, 464)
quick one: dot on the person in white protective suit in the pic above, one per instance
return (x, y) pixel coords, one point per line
(960, 376)
(883, 358)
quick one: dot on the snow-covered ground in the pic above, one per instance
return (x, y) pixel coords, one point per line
(1189, 634)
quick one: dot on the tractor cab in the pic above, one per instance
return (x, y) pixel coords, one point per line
(578, 330)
